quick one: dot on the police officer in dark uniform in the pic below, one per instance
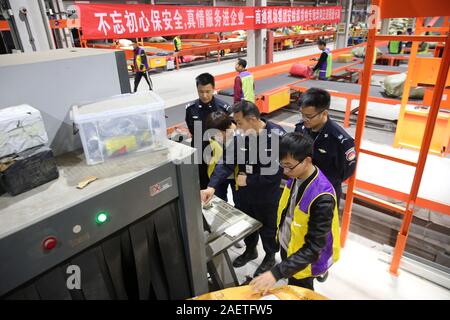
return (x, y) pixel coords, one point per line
(333, 148)
(196, 113)
(258, 180)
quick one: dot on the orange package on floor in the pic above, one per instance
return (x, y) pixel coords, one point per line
(246, 293)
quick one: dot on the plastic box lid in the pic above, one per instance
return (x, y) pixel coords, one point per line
(119, 105)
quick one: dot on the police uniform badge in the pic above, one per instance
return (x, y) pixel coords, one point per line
(350, 154)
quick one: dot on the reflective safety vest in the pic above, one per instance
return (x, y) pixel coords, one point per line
(297, 29)
(217, 152)
(394, 47)
(329, 63)
(177, 42)
(318, 186)
(326, 68)
(141, 63)
(248, 91)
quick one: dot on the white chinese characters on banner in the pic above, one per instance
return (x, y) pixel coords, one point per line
(269, 16)
(131, 22)
(156, 20)
(275, 16)
(257, 16)
(148, 20)
(200, 17)
(178, 20)
(167, 19)
(225, 18)
(102, 24)
(263, 16)
(144, 24)
(191, 19)
(118, 27)
(291, 16)
(241, 17)
(233, 17)
(209, 18)
(217, 18)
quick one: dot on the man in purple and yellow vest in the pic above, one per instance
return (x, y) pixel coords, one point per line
(308, 222)
(244, 85)
(140, 66)
(323, 68)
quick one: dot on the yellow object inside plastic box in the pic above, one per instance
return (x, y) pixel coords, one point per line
(246, 293)
(120, 145)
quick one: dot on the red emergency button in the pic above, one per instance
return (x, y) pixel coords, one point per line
(49, 243)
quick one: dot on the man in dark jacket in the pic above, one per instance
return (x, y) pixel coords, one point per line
(333, 148)
(308, 219)
(196, 113)
(259, 178)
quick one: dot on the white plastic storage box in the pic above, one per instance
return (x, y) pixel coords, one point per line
(120, 125)
(21, 128)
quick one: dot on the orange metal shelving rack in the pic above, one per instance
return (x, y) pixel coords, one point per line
(399, 9)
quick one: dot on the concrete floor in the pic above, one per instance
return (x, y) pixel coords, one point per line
(359, 274)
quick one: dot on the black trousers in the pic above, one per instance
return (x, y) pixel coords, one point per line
(307, 283)
(266, 213)
(137, 78)
(180, 57)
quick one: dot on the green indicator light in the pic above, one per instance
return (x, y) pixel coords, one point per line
(101, 217)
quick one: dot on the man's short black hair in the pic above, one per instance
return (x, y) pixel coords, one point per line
(218, 120)
(399, 32)
(205, 79)
(297, 145)
(247, 108)
(321, 42)
(242, 63)
(315, 97)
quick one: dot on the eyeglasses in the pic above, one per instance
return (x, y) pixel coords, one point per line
(309, 118)
(290, 168)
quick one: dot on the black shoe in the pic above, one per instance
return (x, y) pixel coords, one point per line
(267, 264)
(322, 277)
(245, 257)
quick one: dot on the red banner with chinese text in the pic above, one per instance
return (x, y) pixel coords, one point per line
(273, 17)
(135, 21)
(105, 21)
